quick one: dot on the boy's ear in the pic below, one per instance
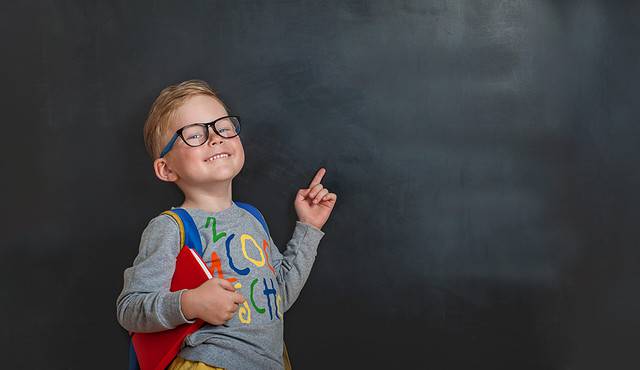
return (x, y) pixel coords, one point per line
(163, 171)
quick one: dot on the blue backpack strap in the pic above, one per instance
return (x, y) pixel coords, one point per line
(254, 211)
(189, 234)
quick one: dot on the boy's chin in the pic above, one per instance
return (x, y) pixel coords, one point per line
(217, 179)
(205, 184)
(221, 176)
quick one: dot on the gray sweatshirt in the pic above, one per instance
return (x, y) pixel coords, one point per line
(270, 283)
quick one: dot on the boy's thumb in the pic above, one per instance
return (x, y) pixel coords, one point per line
(302, 193)
(227, 285)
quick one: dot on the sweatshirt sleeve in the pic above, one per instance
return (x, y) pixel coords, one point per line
(294, 265)
(145, 303)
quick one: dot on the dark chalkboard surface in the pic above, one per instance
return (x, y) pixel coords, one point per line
(485, 155)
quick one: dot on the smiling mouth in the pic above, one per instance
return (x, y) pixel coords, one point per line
(218, 156)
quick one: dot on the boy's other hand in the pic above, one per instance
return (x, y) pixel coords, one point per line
(315, 203)
(215, 301)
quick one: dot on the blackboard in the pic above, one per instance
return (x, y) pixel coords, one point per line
(485, 156)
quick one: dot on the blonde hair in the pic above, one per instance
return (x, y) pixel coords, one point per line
(163, 110)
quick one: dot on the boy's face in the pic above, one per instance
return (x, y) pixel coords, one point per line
(193, 166)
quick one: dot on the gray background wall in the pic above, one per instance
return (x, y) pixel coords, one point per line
(484, 153)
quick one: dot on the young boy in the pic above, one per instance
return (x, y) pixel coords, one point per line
(195, 144)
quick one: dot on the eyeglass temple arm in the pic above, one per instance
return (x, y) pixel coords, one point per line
(169, 145)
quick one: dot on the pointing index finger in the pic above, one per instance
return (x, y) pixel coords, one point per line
(318, 177)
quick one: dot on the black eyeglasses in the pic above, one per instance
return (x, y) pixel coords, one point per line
(197, 134)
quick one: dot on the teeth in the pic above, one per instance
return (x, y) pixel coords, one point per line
(218, 156)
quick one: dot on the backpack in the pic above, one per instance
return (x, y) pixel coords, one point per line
(189, 236)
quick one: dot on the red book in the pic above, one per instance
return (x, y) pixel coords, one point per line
(155, 351)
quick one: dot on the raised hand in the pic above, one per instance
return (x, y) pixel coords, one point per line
(315, 203)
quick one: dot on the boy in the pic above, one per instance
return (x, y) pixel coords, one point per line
(243, 304)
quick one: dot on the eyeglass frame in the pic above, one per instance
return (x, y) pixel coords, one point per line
(208, 125)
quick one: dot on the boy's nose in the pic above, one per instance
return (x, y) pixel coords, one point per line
(214, 138)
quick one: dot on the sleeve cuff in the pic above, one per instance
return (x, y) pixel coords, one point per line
(173, 313)
(310, 234)
(186, 321)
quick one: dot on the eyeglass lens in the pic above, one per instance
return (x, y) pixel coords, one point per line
(195, 135)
